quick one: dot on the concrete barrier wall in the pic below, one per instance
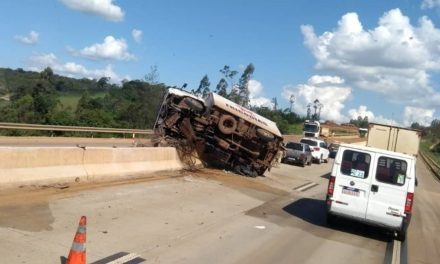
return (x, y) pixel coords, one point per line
(39, 165)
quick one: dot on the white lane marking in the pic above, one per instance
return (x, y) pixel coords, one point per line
(124, 259)
(396, 252)
(306, 187)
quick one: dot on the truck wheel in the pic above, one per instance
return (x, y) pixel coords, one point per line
(193, 104)
(264, 135)
(227, 124)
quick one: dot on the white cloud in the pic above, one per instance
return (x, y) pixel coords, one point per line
(103, 8)
(429, 4)
(255, 88)
(110, 49)
(71, 69)
(420, 115)
(331, 91)
(363, 112)
(137, 35)
(394, 59)
(31, 39)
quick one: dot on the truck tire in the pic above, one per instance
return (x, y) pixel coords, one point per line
(193, 104)
(264, 135)
(227, 124)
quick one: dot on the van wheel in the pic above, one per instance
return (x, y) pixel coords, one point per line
(309, 163)
(264, 135)
(401, 235)
(227, 124)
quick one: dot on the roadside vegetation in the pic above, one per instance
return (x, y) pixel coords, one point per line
(430, 143)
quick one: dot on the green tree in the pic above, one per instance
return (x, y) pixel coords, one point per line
(229, 75)
(243, 85)
(203, 89)
(153, 76)
(45, 101)
(275, 103)
(47, 74)
(102, 83)
(361, 122)
(221, 88)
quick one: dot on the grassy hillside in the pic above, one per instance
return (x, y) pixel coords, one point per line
(425, 147)
(70, 100)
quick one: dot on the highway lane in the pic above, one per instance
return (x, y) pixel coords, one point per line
(424, 243)
(208, 216)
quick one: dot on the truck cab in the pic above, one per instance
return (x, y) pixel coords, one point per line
(373, 186)
(311, 129)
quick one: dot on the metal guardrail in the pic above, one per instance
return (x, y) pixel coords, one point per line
(74, 128)
(433, 166)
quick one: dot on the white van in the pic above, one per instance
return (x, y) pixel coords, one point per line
(373, 186)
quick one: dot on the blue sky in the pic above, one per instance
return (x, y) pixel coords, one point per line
(375, 58)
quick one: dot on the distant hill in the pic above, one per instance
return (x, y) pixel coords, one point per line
(11, 80)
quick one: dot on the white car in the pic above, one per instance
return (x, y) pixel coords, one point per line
(319, 149)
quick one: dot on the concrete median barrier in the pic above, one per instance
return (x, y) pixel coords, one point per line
(43, 166)
(106, 163)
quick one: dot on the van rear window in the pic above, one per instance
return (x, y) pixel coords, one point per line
(392, 171)
(355, 164)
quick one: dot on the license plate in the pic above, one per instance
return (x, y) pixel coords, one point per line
(350, 191)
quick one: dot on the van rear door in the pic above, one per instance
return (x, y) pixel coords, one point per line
(352, 184)
(389, 187)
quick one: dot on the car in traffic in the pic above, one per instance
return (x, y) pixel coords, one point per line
(320, 152)
(298, 153)
(333, 149)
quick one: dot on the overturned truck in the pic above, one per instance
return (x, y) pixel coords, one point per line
(222, 133)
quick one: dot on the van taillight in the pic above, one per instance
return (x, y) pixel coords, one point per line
(409, 202)
(331, 186)
(316, 148)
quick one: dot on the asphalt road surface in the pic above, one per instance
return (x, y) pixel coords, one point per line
(208, 216)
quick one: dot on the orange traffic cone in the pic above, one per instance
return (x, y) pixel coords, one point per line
(77, 254)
